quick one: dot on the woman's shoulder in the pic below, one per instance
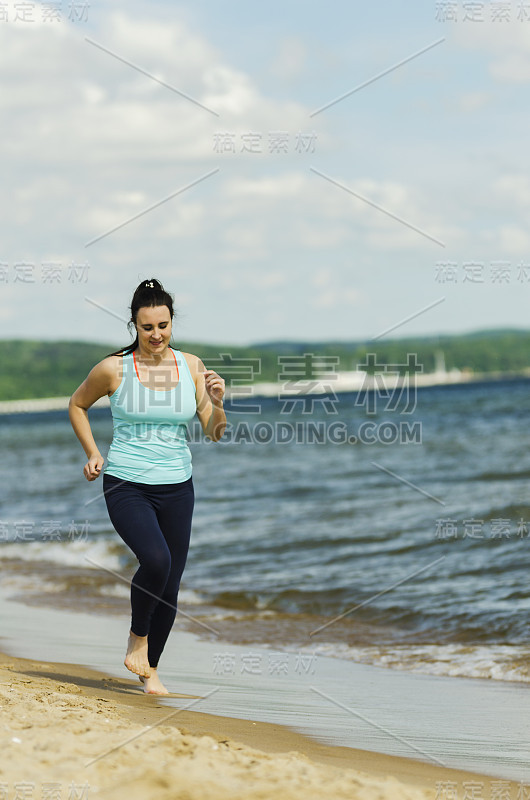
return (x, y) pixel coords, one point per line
(193, 362)
(111, 362)
(111, 367)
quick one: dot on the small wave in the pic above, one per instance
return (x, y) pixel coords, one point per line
(190, 597)
(186, 597)
(512, 513)
(77, 553)
(238, 600)
(500, 476)
(493, 662)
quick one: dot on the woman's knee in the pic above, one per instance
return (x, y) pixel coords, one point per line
(157, 564)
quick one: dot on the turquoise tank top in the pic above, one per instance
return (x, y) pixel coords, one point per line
(150, 426)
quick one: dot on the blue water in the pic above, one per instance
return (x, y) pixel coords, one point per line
(420, 544)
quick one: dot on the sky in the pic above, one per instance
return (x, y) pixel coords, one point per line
(288, 170)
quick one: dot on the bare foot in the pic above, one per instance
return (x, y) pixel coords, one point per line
(153, 685)
(136, 659)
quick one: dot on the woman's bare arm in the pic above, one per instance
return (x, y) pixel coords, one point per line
(211, 414)
(96, 384)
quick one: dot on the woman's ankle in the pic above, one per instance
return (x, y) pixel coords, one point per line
(136, 635)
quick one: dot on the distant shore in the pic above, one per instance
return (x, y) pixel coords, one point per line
(352, 381)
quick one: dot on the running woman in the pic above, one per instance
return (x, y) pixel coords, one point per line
(154, 391)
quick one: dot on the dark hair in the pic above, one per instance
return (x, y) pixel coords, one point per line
(147, 295)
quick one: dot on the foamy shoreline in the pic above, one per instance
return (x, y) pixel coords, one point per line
(75, 727)
(37, 581)
(418, 729)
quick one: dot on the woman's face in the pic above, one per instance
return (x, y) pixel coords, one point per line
(153, 326)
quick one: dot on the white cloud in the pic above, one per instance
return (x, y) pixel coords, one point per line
(290, 184)
(228, 91)
(506, 45)
(335, 298)
(473, 101)
(514, 191)
(144, 141)
(512, 67)
(97, 142)
(290, 59)
(330, 294)
(514, 241)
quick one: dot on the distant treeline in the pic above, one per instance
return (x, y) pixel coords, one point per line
(30, 369)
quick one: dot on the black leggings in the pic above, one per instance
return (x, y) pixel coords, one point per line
(154, 520)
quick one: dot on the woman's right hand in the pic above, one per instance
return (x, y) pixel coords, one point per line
(92, 468)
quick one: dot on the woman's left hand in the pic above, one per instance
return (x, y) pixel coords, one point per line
(215, 386)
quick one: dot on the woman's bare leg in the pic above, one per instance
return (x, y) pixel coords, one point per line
(153, 684)
(136, 659)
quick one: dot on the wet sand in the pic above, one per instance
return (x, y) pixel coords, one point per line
(68, 725)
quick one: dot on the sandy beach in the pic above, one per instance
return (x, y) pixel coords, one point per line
(89, 734)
